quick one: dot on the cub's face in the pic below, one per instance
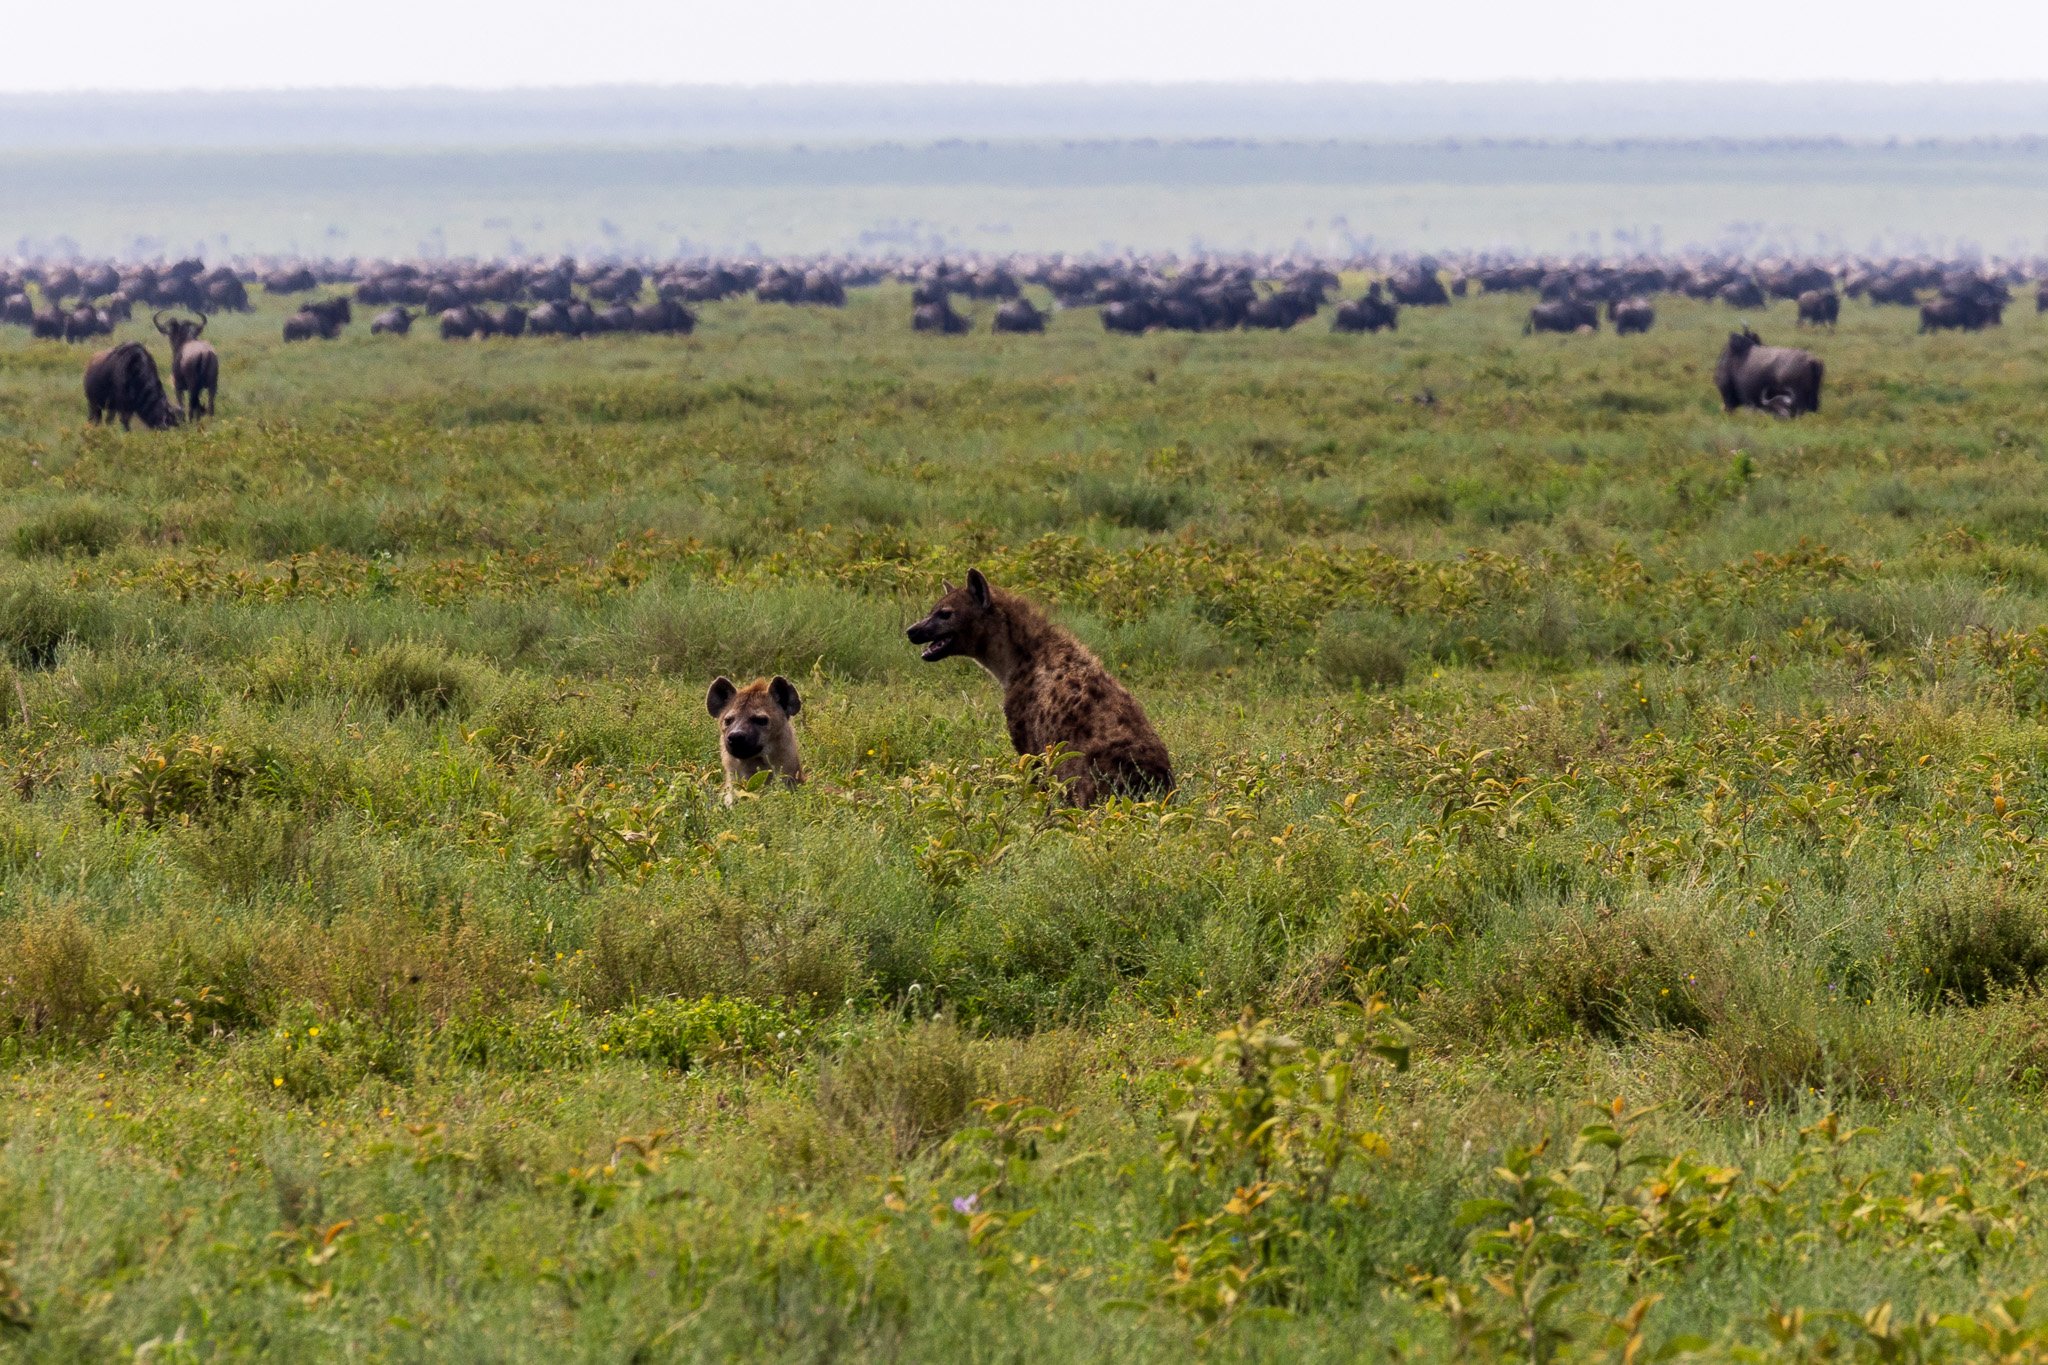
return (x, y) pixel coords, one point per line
(956, 623)
(753, 718)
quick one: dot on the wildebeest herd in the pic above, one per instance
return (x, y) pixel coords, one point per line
(74, 302)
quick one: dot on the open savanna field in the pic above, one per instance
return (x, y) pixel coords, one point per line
(1599, 915)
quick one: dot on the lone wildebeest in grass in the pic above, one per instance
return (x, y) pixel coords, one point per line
(1776, 379)
(122, 381)
(939, 317)
(1562, 315)
(396, 321)
(195, 365)
(1819, 308)
(1372, 313)
(754, 730)
(1019, 315)
(1056, 695)
(1632, 316)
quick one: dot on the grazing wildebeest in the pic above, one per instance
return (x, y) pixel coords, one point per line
(47, 324)
(1631, 316)
(939, 317)
(549, 319)
(1562, 315)
(1777, 379)
(1819, 308)
(1969, 306)
(1742, 293)
(1129, 316)
(397, 321)
(122, 381)
(303, 326)
(1419, 288)
(2041, 297)
(1019, 315)
(17, 309)
(1279, 311)
(195, 365)
(84, 323)
(1368, 314)
(333, 314)
(460, 324)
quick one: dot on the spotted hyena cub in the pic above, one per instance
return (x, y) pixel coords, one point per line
(754, 732)
(1054, 691)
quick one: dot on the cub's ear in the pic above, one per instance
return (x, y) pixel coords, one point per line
(720, 696)
(784, 693)
(978, 586)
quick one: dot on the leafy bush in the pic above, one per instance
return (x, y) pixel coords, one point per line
(194, 779)
(1362, 649)
(1971, 939)
(83, 526)
(680, 1034)
(905, 1088)
(411, 679)
(36, 618)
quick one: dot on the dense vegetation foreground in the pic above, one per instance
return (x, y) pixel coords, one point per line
(1599, 916)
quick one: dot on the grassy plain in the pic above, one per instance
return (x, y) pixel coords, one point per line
(380, 977)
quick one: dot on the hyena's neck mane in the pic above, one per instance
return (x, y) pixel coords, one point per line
(1021, 639)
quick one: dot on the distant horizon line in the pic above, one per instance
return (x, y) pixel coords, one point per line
(1077, 83)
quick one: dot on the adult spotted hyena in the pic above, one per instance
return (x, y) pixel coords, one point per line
(754, 733)
(1054, 691)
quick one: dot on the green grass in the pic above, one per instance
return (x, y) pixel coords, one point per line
(382, 977)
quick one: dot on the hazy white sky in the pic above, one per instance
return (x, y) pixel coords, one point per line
(260, 44)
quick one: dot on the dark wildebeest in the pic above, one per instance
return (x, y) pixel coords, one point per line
(1019, 315)
(1819, 308)
(1632, 316)
(939, 317)
(397, 321)
(122, 381)
(2041, 297)
(1419, 288)
(333, 313)
(1279, 311)
(1968, 307)
(1741, 292)
(83, 323)
(1562, 315)
(303, 326)
(47, 324)
(1369, 314)
(460, 324)
(1777, 379)
(195, 366)
(1129, 316)
(549, 319)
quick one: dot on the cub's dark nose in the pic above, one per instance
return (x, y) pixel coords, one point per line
(740, 744)
(918, 634)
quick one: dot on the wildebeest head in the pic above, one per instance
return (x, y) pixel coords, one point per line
(179, 330)
(1743, 342)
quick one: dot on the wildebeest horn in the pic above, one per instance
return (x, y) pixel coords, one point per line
(202, 323)
(158, 318)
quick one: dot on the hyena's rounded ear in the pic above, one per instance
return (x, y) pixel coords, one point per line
(784, 693)
(720, 696)
(978, 586)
